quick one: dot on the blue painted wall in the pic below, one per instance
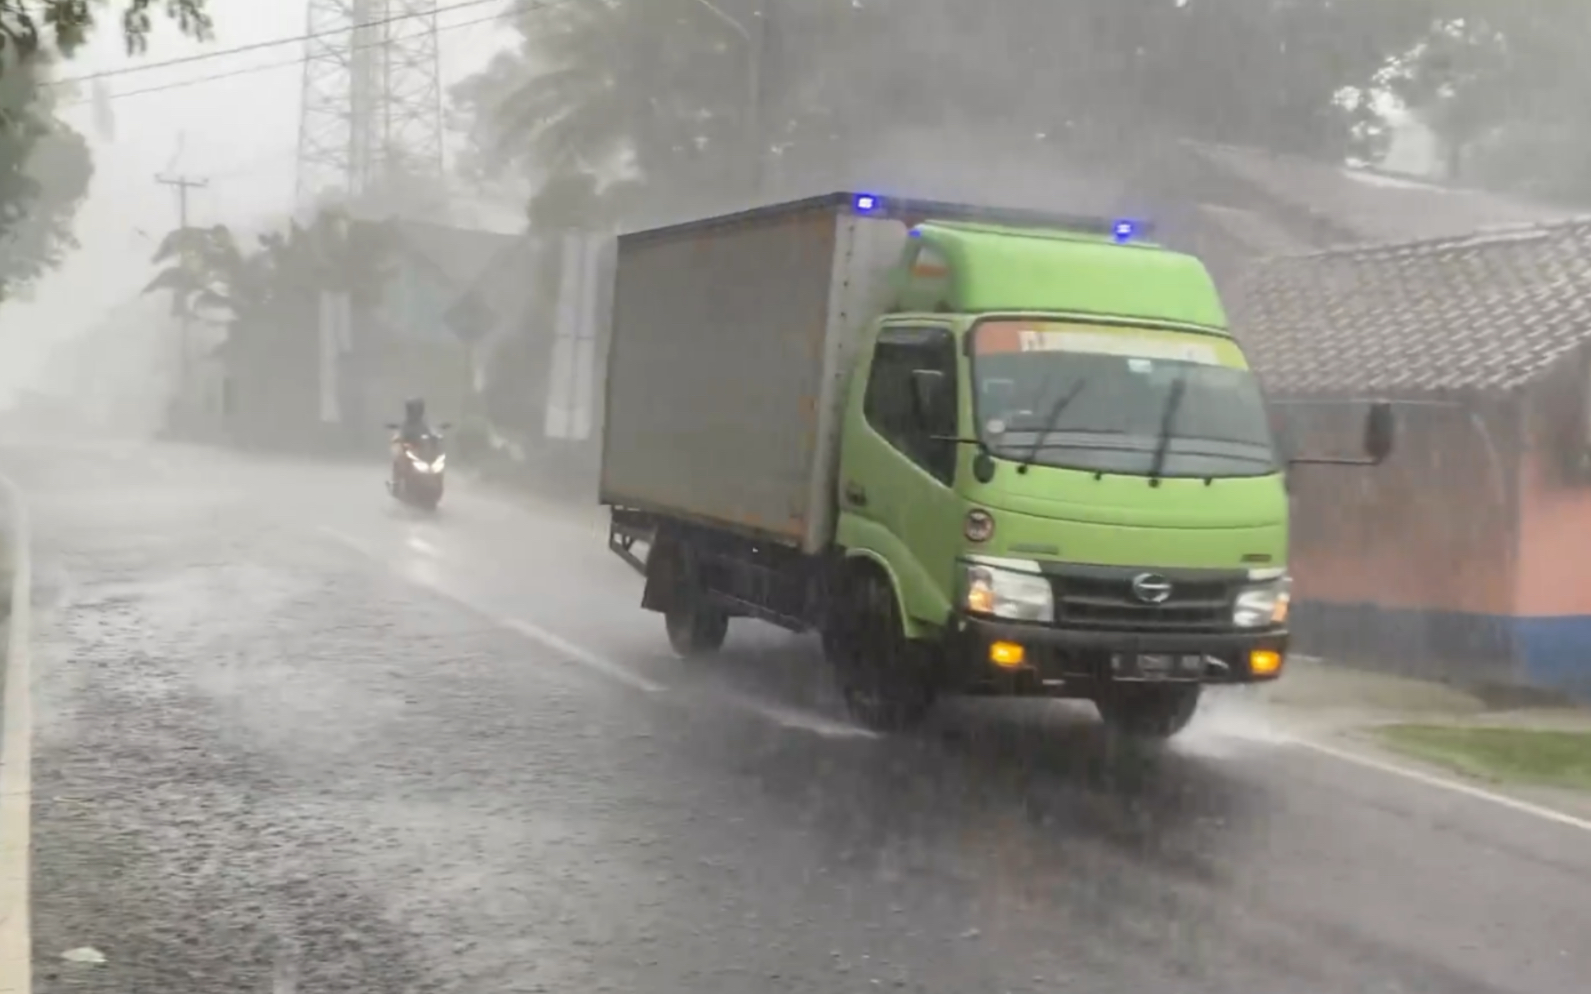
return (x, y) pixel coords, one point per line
(1461, 647)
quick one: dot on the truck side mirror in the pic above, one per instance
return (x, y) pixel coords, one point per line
(1381, 428)
(928, 391)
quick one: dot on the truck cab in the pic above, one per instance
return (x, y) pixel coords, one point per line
(1059, 457)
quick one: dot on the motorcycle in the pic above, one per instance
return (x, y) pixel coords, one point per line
(417, 470)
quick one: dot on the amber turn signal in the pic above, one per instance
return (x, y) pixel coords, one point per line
(1264, 662)
(1007, 654)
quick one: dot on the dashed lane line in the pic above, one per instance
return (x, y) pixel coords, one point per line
(575, 653)
(789, 718)
(563, 647)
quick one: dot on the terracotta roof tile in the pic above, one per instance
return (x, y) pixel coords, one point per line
(1488, 311)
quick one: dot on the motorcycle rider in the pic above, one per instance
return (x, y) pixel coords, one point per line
(412, 431)
(414, 427)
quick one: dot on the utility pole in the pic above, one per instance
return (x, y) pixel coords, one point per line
(182, 184)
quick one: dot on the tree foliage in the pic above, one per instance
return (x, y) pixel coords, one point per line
(1503, 86)
(208, 273)
(45, 169)
(27, 27)
(45, 165)
(665, 86)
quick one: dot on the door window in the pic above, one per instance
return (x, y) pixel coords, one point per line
(890, 405)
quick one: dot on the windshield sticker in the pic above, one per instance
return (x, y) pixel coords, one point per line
(994, 339)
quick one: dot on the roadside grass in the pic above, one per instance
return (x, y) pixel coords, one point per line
(1520, 755)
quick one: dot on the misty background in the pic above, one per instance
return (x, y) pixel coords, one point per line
(599, 114)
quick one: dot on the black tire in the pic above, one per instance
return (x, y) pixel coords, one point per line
(884, 677)
(1148, 710)
(697, 630)
(696, 627)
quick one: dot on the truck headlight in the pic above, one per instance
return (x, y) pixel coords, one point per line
(1015, 590)
(1263, 604)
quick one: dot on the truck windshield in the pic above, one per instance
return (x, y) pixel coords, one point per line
(1023, 370)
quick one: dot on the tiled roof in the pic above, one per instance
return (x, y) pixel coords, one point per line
(1489, 311)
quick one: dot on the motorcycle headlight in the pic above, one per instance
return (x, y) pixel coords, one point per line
(1012, 589)
(441, 460)
(1262, 604)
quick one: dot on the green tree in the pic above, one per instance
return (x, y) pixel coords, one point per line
(206, 271)
(664, 86)
(617, 85)
(45, 165)
(45, 169)
(27, 28)
(1502, 86)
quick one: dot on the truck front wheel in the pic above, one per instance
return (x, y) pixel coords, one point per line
(883, 676)
(1147, 710)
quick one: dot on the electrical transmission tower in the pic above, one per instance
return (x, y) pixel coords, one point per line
(370, 121)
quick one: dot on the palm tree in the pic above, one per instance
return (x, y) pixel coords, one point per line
(205, 271)
(652, 84)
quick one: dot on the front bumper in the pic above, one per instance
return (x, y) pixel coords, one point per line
(1086, 657)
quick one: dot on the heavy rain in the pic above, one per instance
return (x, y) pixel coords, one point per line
(694, 496)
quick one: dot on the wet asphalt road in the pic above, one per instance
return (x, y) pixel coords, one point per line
(291, 738)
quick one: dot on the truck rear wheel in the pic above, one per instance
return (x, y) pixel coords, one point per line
(1146, 710)
(883, 676)
(695, 626)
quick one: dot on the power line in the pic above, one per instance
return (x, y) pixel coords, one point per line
(260, 45)
(531, 8)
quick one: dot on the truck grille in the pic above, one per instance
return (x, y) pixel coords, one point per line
(1104, 598)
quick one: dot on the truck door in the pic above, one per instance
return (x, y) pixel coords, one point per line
(897, 474)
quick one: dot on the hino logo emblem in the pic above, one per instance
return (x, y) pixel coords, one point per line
(1151, 588)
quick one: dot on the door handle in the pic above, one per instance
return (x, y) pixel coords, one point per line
(855, 494)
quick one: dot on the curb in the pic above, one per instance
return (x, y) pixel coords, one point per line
(16, 757)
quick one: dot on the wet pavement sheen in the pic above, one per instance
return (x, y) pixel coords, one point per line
(291, 738)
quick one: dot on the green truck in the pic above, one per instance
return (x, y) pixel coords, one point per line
(979, 451)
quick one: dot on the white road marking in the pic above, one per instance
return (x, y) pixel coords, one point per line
(563, 647)
(422, 546)
(790, 718)
(1443, 783)
(584, 657)
(794, 719)
(343, 538)
(16, 764)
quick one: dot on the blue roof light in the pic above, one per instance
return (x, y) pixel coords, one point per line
(1124, 230)
(866, 203)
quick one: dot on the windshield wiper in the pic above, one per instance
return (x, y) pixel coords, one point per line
(1168, 417)
(1049, 425)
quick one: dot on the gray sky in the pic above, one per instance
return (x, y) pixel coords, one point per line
(238, 132)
